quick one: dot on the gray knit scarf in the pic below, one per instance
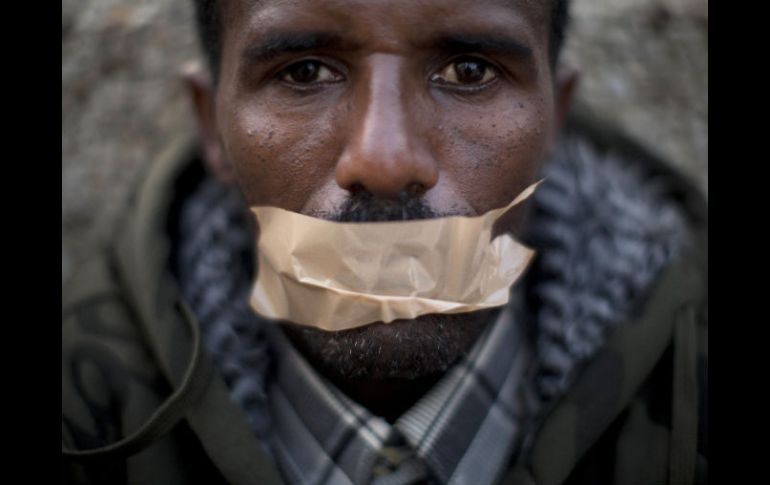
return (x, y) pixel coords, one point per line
(602, 228)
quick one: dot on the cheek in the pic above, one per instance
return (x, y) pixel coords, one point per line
(493, 156)
(280, 159)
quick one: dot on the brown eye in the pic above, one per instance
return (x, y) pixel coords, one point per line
(309, 72)
(468, 72)
(465, 72)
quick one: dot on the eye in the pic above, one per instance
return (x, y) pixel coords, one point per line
(466, 71)
(309, 72)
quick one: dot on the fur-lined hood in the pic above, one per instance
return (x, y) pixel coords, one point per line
(603, 225)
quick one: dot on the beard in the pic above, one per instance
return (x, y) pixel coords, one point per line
(403, 349)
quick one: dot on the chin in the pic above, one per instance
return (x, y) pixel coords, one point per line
(403, 349)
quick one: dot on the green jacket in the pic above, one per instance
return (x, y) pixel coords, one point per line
(142, 403)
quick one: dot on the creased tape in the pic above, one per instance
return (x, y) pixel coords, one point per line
(339, 275)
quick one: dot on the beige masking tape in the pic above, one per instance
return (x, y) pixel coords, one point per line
(340, 275)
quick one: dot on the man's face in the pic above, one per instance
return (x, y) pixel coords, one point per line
(447, 104)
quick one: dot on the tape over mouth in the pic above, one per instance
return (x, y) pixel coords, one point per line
(341, 275)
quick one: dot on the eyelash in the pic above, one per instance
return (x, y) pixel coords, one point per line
(487, 67)
(466, 89)
(287, 71)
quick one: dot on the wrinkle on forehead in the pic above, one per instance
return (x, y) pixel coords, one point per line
(535, 11)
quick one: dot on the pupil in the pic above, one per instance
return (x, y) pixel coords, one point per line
(305, 72)
(469, 72)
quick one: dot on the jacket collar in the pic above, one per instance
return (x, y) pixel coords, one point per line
(142, 256)
(606, 385)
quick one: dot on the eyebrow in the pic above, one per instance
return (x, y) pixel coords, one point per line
(274, 45)
(277, 44)
(483, 42)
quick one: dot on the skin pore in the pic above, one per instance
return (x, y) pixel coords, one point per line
(379, 110)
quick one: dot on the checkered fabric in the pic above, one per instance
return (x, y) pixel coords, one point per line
(464, 430)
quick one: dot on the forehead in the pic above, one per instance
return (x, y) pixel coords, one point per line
(385, 21)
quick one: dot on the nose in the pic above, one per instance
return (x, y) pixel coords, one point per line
(386, 153)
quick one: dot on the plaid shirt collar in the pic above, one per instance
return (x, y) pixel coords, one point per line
(464, 430)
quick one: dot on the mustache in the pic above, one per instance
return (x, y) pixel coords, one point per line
(365, 207)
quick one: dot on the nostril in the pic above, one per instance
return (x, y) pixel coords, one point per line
(415, 189)
(356, 188)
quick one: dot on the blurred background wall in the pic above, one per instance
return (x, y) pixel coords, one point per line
(644, 65)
